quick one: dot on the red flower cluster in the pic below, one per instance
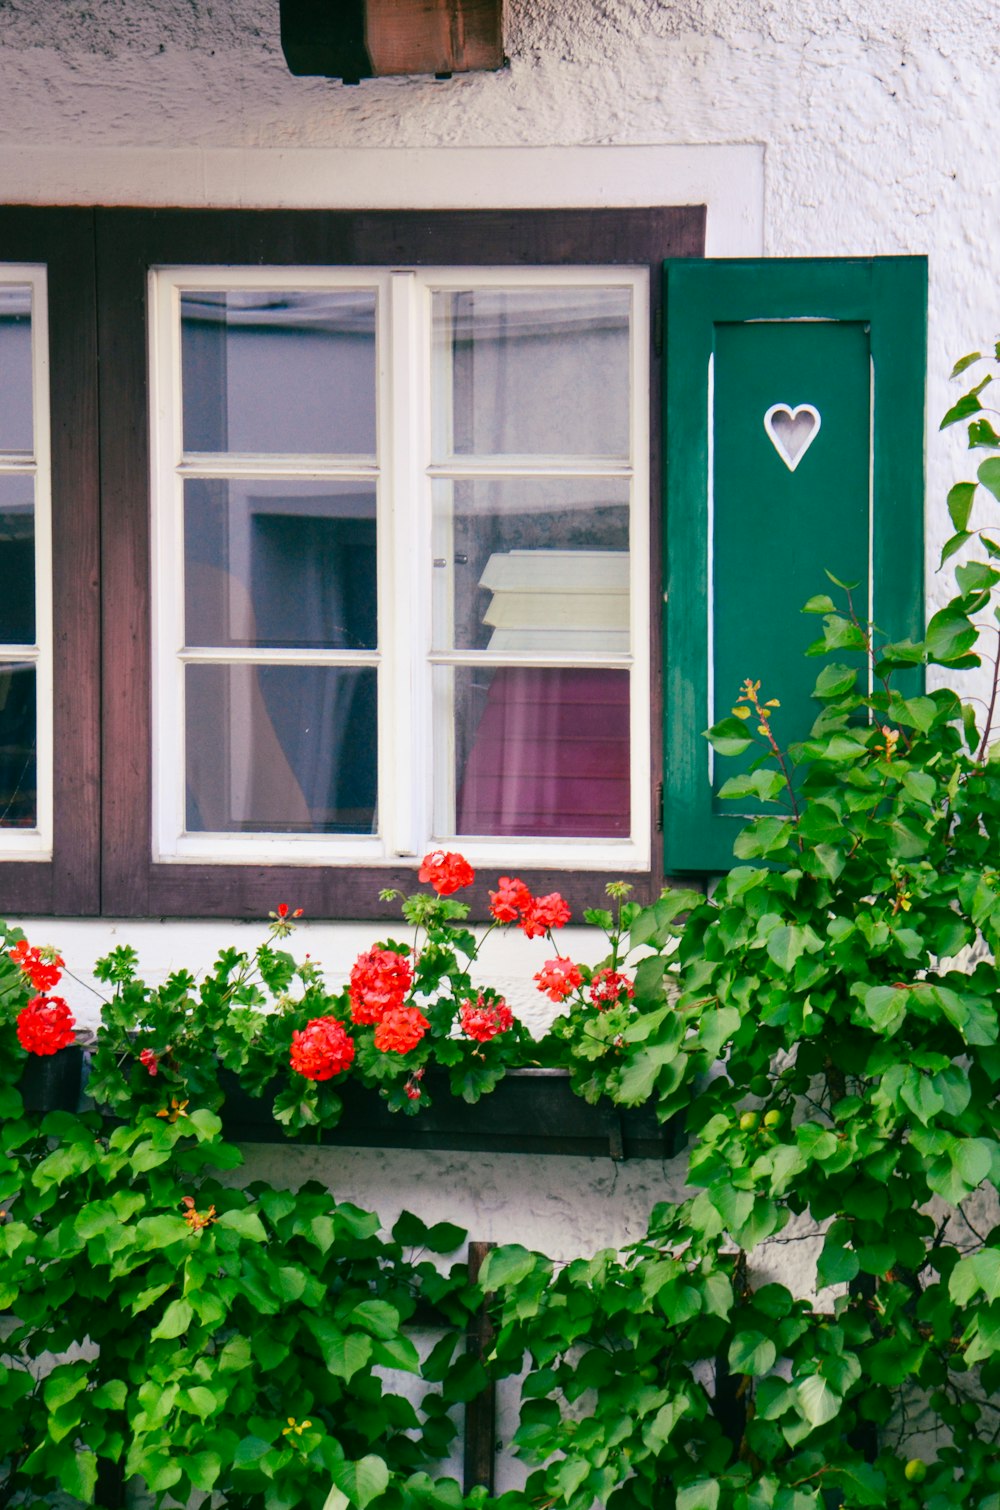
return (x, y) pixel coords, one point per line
(322, 1049)
(400, 1030)
(512, 902)
(510, 899)
(608, 987)
(483, 1019)
(42, 967)
(150, 1061)
(446, 872)
(559, 978)
(45, 1025)
(380, 980)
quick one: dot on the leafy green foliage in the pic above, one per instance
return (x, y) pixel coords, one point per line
(826, 1020)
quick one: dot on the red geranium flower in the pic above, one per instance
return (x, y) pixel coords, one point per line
(608, 987)
(510, 899)
(149, 1061)
(400, 1030)
(559, 978)
(380, 980)
(483, 1019)
(446, 872)
(42, 967)
(45, 1025)
(322, 1049)
(543, 914)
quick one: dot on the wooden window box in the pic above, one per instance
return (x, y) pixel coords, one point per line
(531, 1111)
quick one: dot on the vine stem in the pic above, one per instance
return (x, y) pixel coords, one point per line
(984, 742)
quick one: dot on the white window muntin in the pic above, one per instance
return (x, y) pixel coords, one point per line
(35, 843)
(404, 472)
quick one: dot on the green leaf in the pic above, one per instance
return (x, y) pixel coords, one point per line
(704, 1495)
(751, 1353)
(989, 475)
(728, 737)
(336, 1499)
(377, 1317)
(960, 503)
(344, 1353)
(816, 1400)
(506, 1266)
(764, 837)
(176, 1320)
(966, 361)
(247, 1223)
(950, 634)
(836, 1265)
(967, 405)
(980, 1271)
(77, 1473)
(821, 603)
(409, 1231)
(362, 1481)
(788, 943)
(203, 1468)
(445, 1237)
(885, 1006)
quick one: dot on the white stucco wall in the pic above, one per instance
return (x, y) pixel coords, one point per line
(827, 128)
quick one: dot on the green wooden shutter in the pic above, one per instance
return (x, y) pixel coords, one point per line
(748, 532)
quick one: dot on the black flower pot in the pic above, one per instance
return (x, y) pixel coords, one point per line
(51, 1082)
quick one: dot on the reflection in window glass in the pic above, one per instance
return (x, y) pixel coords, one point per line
(16, 419)
(17, 559)
(532, 371)
(18, 748)
(270, 372)
(280, 564)
(540, 752)
(531, 564)
(281, 749)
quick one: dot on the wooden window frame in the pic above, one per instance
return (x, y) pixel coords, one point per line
(62, 240)
(98, 263)
(129, 243)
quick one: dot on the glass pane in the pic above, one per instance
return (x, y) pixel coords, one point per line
(531, 564)
(281, 749)
(16, 421)
(18, 752)
(280, 564)
(529, 372)
(538, 752)
(269, 372)
(17, 559)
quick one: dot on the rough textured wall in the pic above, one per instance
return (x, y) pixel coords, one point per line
(876, 119)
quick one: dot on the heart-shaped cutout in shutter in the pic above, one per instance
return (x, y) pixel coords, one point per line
(792, 431)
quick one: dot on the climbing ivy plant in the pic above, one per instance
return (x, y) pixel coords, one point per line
(813, 1322)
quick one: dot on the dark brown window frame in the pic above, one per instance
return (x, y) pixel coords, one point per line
(63, 241)
(103, 855)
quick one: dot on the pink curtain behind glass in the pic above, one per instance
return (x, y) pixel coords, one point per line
(550, 756)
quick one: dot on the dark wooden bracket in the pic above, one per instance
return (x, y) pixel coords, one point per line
(353, 40)
(480, 1412)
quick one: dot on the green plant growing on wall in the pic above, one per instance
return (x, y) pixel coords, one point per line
(846, 974)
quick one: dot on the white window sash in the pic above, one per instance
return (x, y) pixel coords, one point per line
(408, 770)
(36, 843)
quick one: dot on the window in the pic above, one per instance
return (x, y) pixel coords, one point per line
(400, 565)
(442, 582)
